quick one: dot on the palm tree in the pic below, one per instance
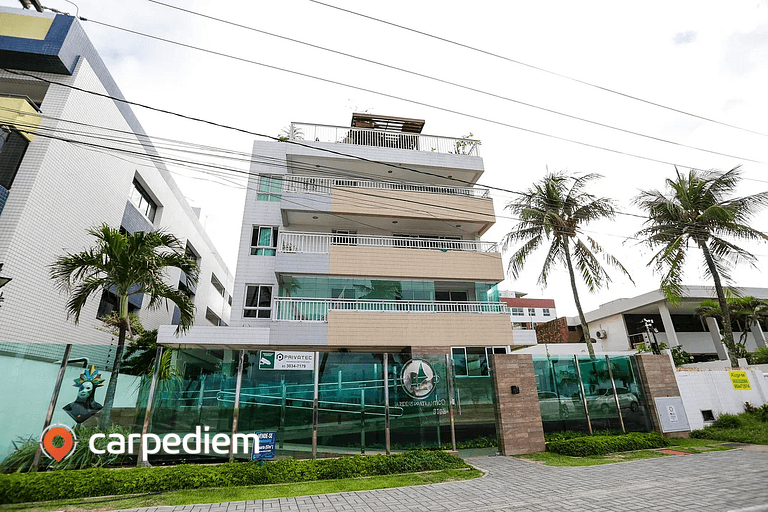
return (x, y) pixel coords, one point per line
(554, 211)
(125, 264)
(745, 312)
(696, 210)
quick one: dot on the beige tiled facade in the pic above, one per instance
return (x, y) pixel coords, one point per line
(415, 263)
(354, 328)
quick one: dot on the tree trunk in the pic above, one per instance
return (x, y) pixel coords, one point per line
(582, 319)
(109, 398)
(727, 329)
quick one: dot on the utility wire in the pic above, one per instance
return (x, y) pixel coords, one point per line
(455, 84)
(537, 68)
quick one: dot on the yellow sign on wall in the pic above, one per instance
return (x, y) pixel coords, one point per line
(740, 380)
(20, 25)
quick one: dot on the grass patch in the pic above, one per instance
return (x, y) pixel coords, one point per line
(751, 429)
(692, 445)
(254, 492)
(555, 459)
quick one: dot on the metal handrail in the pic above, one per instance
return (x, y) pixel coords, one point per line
(322, 185)
(320, 243)
(384, 138)
(316, 310)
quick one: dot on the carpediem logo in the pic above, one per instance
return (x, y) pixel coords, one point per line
(201, 441)
(58, 442)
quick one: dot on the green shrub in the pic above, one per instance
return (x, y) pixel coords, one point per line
(571, 434)
(759, 356)
(727, 421)
(54, 485)
(600, 445)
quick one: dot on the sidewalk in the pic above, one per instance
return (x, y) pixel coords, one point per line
(719, 481)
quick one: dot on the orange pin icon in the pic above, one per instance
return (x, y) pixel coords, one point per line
(61, 452)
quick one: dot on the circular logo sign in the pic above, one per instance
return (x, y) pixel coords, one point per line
(66, 444)
(418, 378)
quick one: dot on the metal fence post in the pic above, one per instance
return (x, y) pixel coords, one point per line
(583, 393)
(315, 400)
(52, 405)
(142, 459)
(386, 404)
(449, 377)
(615, 393)
(236, 411)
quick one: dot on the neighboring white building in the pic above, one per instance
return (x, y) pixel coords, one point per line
(53, 191)
(526, 314)
(618, 325)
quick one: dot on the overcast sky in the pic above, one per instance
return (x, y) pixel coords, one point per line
(709, 58)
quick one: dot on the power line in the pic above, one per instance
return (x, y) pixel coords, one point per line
(537, 68)
(455, 84)
(387, 95)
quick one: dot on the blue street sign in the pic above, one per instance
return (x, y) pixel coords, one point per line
(266, 446)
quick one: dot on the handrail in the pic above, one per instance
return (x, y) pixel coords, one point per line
(322, 185)
(384, 138)
(316, 310)
(320, 243)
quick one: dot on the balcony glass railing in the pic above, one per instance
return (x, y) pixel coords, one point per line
(316, 310)
(384, 139)
(320, 243)
(319, 185)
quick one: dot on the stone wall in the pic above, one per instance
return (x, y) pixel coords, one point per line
(556, 331)
(658, 380)
(518, 417)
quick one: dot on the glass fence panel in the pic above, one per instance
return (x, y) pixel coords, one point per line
(474, 414)
(560, 398)
(351, 403)
(277, 400)
(196, 388)
(418, 397)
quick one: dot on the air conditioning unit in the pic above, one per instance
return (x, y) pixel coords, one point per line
(601, 334)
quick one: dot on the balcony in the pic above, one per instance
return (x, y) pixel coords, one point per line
(319, 185)
(21, 113)
(320, 243)
(384, 139)
(318, 310)
(389, 256)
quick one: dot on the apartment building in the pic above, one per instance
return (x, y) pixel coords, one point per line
(54, 186)
(361, 262)
(526, 313)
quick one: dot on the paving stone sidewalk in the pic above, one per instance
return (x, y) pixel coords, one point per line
(719, 481)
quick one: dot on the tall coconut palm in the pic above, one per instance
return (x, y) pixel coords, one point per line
(125, 264)
(553, 212)
(697, 209)
(745, 312)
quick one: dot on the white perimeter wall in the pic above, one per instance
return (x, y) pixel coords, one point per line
(713, 390)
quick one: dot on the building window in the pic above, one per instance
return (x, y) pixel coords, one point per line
(531, 311)
(213, 317)
(517, 311)
(258, 301)
(142, 201)
(269, 189)
(217, 284)
(545, 312)
(263, 241)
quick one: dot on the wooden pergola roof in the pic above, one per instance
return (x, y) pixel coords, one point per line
(397, 124)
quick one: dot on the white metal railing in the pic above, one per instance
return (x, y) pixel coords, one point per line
(316, 310)
(320, 243)
(384, 138)
(319, 185)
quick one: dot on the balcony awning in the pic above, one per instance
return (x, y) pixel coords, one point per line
(395, 124)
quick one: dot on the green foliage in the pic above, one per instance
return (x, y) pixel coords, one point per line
(112, 322)
(759, 356)
(642, 347)
(600, 445)
(680, 356)
(82, 458)
(572, 434)
(727, 421)
(24, 487)
(464, 146)
(758, 412)
(752, 429)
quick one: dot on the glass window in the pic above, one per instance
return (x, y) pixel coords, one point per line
(212, 317)
(263, 241)
(269, 189)
(459, 361)
(516, 311)
(531, 311)
(142, 201)
(217, 285)
(545, 311)
(258, 301)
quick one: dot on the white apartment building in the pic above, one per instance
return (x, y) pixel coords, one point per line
(52, 190)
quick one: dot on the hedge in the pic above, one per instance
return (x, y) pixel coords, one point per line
(54, 485)
(600, 445)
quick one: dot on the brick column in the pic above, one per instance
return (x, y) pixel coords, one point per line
(658, 380)
(518, 417)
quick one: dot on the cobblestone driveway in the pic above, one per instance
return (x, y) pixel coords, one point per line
(721, 481)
